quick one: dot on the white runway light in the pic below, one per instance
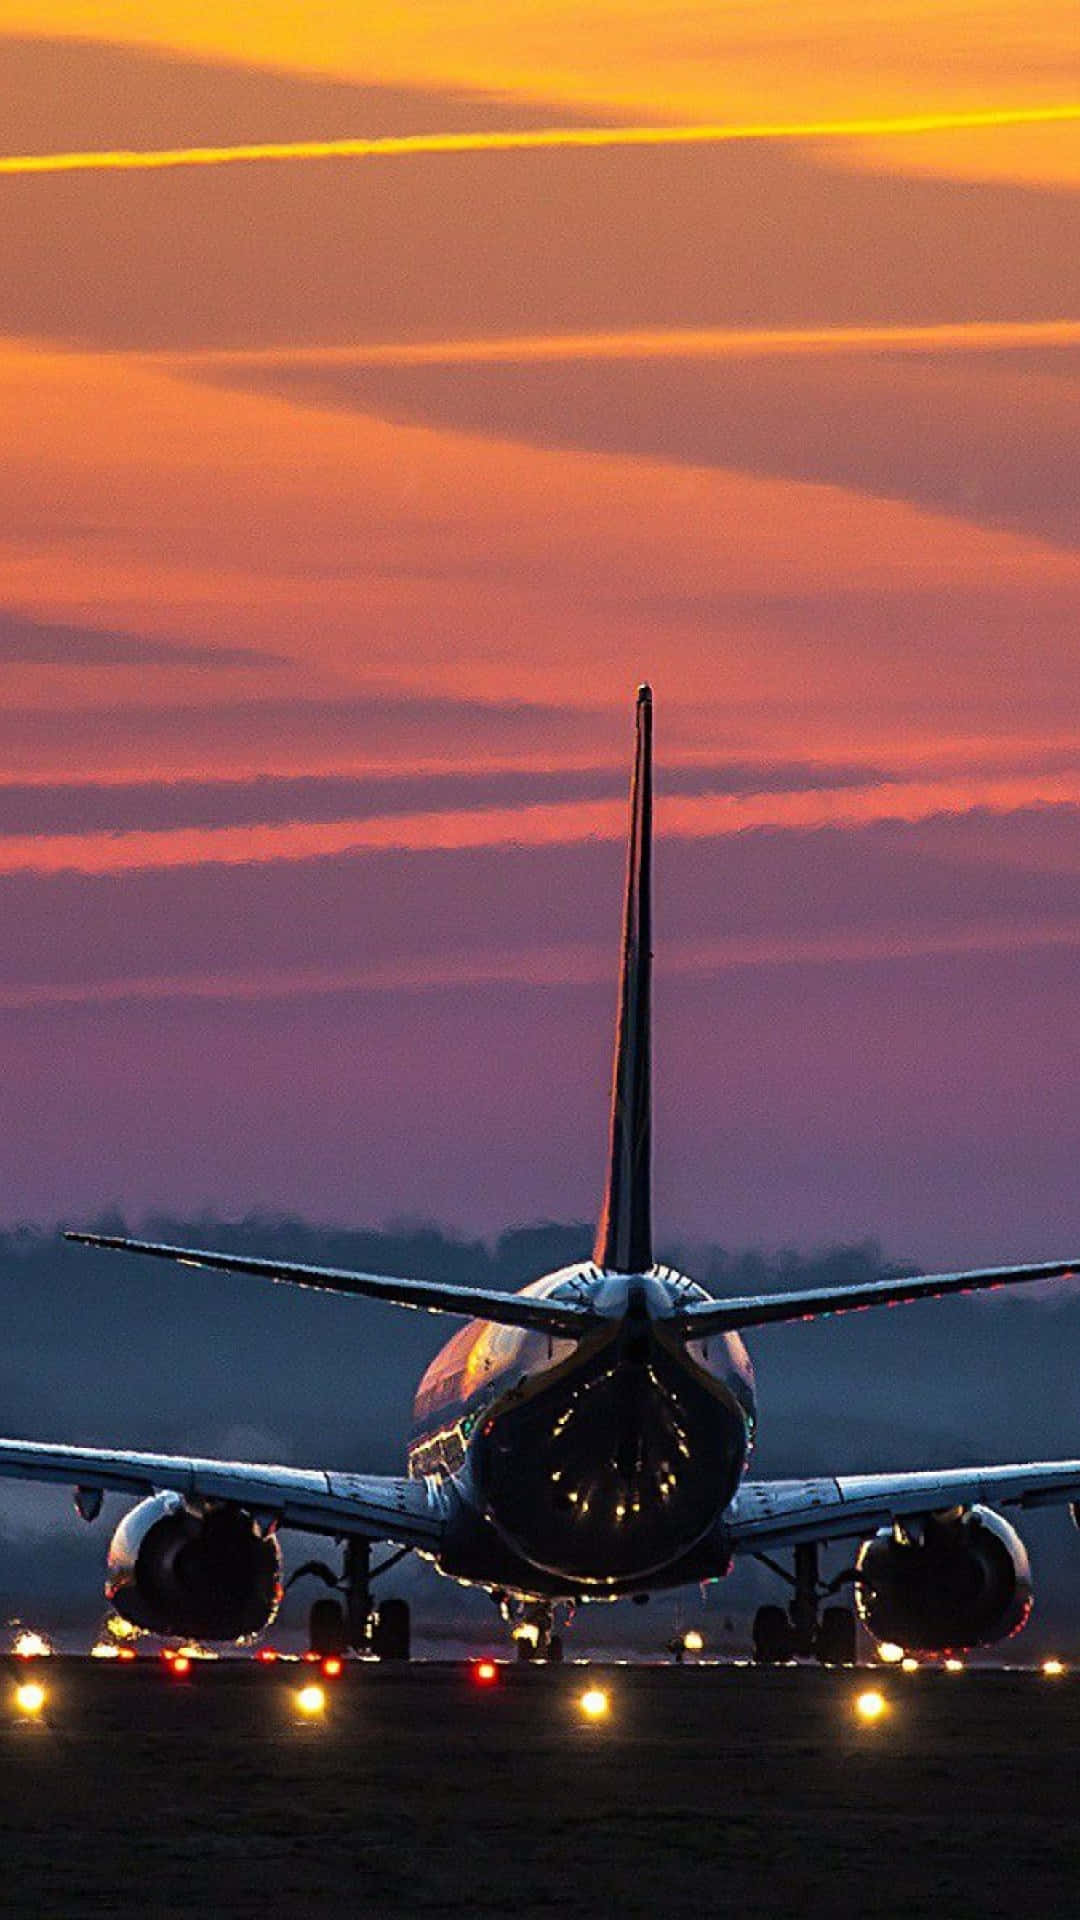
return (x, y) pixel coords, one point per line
(871, 1706)
(595, 1704)
(311, 1702)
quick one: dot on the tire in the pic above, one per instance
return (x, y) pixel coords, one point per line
(835, 1645)
(555, 1650)
(391, 1636)
(773, 1639)
(326, 1628)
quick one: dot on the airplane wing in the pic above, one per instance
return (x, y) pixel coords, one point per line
(562, 1319)
(704, 1317)
(376, 1506)
(766, 1514)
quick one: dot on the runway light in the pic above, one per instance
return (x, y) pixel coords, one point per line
(871, 1706)
(180, 1665)
(692, 1640)
(311, 1701)
(909, 1664)
(30, 1697)
(29, 1645)
(485, 1673)
(104, 1650)
(1052, 1669)
(332, 1666)
(890, 1653)
(126, 1653)
(266, 1656)
(954, 1666)
(594, 1703)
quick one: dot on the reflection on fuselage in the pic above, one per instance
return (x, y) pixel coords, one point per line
(600, 1462)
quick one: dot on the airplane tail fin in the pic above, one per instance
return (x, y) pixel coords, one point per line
(624, 1232)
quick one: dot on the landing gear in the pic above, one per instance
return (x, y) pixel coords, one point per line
(355, 1621)
(805, 1630)
(326, 1628)
(836, 1637)
(532, 1628)
(774, 1641)
(391, 1631)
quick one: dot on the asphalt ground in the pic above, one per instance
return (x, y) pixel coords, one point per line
(418, 1791)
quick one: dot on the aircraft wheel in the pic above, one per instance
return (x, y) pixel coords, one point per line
(773, 1640)
(835, 1645)
(391, 1636)
(326, 1628)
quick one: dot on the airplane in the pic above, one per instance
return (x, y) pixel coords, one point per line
(585, 1439)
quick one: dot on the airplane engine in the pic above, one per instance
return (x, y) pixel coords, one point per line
(962, 1579)
(206, 1574)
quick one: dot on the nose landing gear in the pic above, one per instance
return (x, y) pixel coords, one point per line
(805, 1630)
(532, 1627)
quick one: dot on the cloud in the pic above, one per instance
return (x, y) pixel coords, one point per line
(374, 724)
(26, 642)
(64, 93)
(434, 913)
(761, 235)
(993, 445)
(94, 806)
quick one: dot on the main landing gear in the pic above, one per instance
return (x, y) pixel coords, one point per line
(355, 1622)
(532, 1627)
(804, 1629)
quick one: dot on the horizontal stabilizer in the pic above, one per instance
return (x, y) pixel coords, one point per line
(559, 1318)
(758, 1310)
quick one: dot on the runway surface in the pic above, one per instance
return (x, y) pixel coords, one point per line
(419, 1791)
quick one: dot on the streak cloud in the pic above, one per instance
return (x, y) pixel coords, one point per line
(401, 146)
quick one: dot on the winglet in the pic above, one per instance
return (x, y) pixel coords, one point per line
(624, 1232)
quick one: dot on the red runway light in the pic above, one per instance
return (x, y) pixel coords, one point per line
(125, 1653)
(332, 1666)
(181, 1664)
(485, 1673)
(267, 1656)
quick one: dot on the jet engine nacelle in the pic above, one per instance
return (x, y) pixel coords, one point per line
(205, 1573)
(957, 1579)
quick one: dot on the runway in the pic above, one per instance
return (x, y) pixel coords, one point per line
(419, 1791)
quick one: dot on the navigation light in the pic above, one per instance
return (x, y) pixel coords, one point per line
(311, 1701)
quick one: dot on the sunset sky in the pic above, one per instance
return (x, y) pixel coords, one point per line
(344, 501)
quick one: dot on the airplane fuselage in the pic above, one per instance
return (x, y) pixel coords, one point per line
(589, 1468)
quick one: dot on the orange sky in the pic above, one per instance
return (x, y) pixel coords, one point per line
(341, 467)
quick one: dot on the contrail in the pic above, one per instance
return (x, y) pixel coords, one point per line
(672, 343)
(401, 146)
